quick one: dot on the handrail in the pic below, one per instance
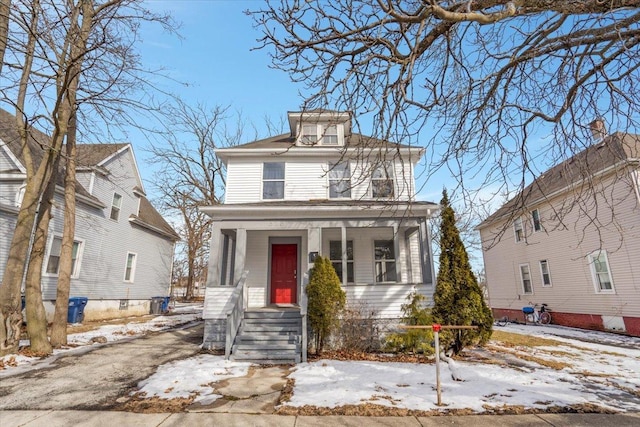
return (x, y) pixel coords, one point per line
(235, 314)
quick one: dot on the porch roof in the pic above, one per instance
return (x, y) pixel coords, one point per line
(293, 209)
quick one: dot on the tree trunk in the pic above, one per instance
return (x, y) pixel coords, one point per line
(5, 6)
(59, 328)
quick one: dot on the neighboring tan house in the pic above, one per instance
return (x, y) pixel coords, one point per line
(571, 240)
(318, 190)
(123, 249)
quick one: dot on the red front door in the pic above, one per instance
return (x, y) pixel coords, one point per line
(284, 283)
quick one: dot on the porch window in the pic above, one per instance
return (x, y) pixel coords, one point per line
(525, 277)
(53, 261)
(273, 180)
(601, 272)
(382, 181)
(130, 267)
(385, 261)
(116, 204)
(335, 255)
(339, 180)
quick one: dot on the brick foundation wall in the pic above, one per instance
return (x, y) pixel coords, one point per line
(632, 325)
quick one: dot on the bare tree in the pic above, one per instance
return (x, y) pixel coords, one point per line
(497, 90)
(191, 176)
(5, 5)
(79, 62)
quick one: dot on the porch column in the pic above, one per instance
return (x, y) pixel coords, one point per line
(240, 254)
(215, 252)
(396, 250)
(425, 251)
(345, 276)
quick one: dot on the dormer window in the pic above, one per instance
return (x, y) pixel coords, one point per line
(322, 134)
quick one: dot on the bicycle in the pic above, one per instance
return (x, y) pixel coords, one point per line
(533, 314)
(501, 321)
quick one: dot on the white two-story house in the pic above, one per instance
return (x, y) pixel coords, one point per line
(318, 190)
(123, 248)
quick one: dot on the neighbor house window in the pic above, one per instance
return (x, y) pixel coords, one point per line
(273, 180)
(535, 219)
(53, 262)
(525, 276)
(130, 267)
(518, 230)
(339, 180)
(544, 271)
(309, 134)
(382, 180)
(116, 204)
(330, 136)
(385, 261)
(335, 255)
(601, 271)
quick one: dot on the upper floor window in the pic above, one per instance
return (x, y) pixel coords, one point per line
(601, 272)
(525, 276)
(53, 261)
(330, 136)
(130, 267)
(535, 220)
(273, 180)
(385, 261)
(20, 195)
(116, 204)
(339, 180)
(382, 185)
(335, 255)
(309, 134)
(544, 271)
(518, 230)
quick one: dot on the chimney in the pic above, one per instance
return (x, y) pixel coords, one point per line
(598, 130)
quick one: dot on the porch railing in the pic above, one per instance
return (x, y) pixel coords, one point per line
(303, 313)
(236, 313)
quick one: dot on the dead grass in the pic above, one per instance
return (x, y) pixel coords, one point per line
(153, 405)
(509, 339)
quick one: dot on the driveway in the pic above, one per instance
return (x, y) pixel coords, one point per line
(95, 379)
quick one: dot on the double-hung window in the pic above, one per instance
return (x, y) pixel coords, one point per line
(518, 230)
(116, 205)
(382, 185)
(525, 277)
(385, 261)
(130, 267)
(335, 255)
(53, 261)
(545, 273)
(535, 220)
(309, 134)
(339, 180)
(330, 136)
(601, 272)
(273, 180)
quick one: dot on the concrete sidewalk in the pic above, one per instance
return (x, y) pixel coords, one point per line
(129, 419)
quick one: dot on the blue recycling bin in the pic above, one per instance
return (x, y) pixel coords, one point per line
(75, 313)
(165, 305)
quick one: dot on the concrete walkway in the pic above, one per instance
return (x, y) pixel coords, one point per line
(111, 419)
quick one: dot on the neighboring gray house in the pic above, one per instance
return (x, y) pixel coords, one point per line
(123, 251)
(571, 239)
(318, 190)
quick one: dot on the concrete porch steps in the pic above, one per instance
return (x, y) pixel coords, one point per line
(269, 336)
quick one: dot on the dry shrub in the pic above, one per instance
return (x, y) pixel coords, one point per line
(359, 329)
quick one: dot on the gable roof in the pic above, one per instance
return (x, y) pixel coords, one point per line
(95, 154)
(597, 158)
(150, 218)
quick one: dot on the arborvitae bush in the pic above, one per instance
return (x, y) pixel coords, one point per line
(326, 301)
(458, 300)
(414, 312)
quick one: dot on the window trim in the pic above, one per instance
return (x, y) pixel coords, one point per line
(115, 208)
(519, 237)
(20, 195)
(388, 166)
(349, 261)
(594, 274)
(524, 291)
(536, 224)
(546, 262)
(75, 265)
(331, 166)
(132, 275)
(385, 261)
(283, 180)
